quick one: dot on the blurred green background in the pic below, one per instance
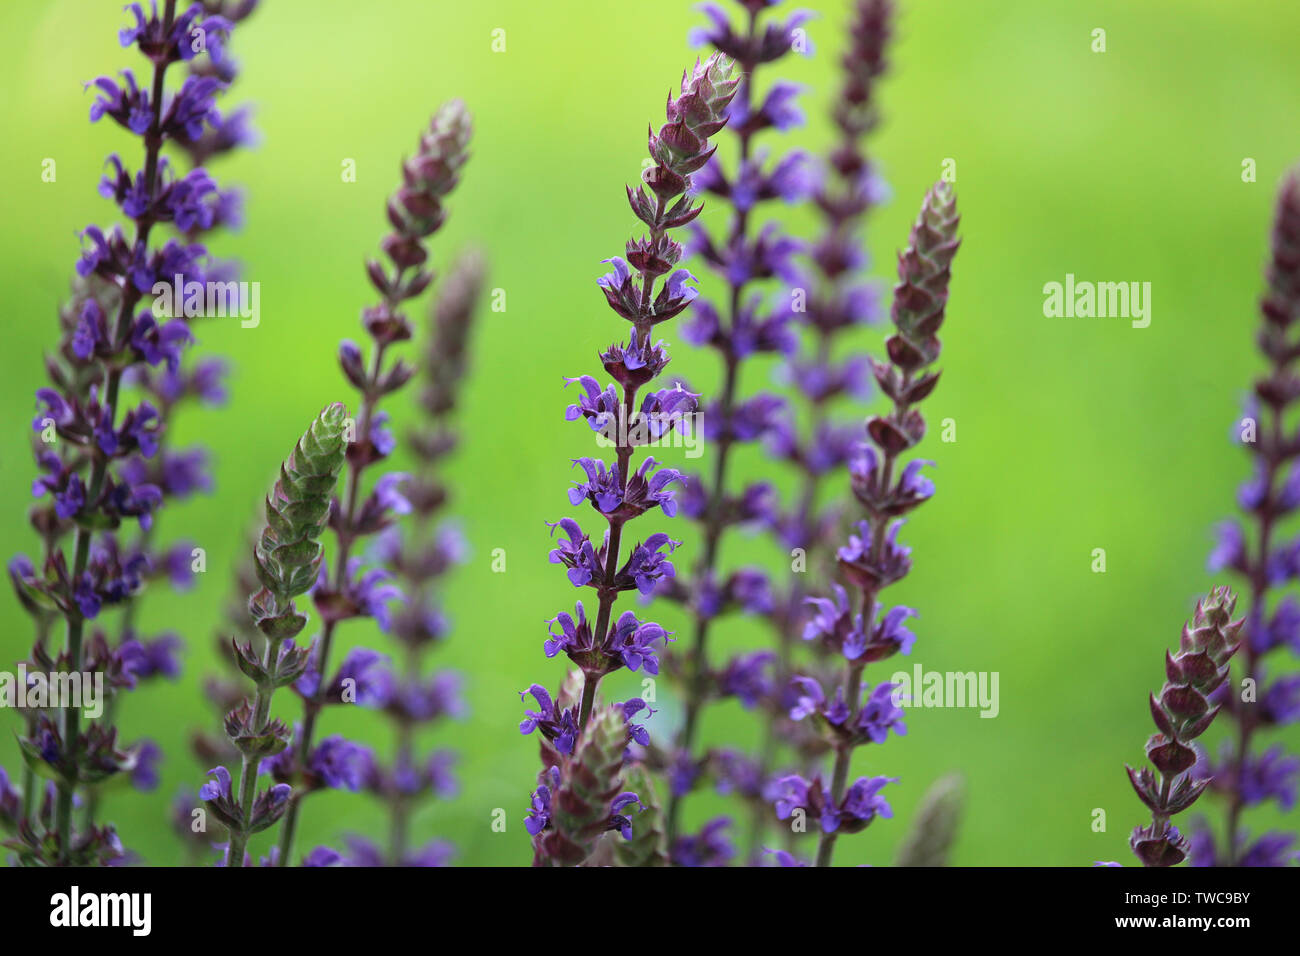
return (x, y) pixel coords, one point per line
(1073, 434)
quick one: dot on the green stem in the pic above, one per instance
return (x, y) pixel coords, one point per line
(248, 764)
(129, 296)
(71, 729)
(853, 671)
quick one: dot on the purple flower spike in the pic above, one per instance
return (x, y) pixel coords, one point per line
(1246, 776)
(111, 471)
(766, 303)
(587, 745)
(402, 566)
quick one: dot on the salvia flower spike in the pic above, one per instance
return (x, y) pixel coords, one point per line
(826, 370)
(646, 289)
(581, 805)
(416, 212)
(862, 629)
(100, 457)
(412, 700)
(739, 326)
(1182, 712)
(173, 387)
(1242, 774)
(287, 557)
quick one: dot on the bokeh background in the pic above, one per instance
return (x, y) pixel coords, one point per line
(1072, 434)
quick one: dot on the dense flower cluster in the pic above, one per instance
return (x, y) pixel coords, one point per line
(409, 697)
(574, 743)
(1243, 775)
(747, 320)
(116, 381)
(861, 629)
(825, 370)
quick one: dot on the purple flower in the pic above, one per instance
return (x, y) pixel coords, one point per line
(1270, 775)
(618, 820)
(582, 751)
(408, 610)
(619, 501)
(369, 594)
(1248, 777)
(637, 733)
(1283, 628)
(734, 772)
(863, 802)
(746, 678)
(65, 486)
(878, 712)
(628, 643)
(683, 773)
(159, 657)
(576, 553)
(320, 856)
(340, 764)
(710, 847)
(130, 475)
(559, 727)
(1272, 849)
(144, 775)
(218, 788)
(360, 679)
(539, 814)
(418, 700)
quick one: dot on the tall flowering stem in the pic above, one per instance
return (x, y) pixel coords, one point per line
(739, 327)
(860, 628)
(421, 557)
(1244, 776)
(180, 473)
(224, 691)
(582, 743)
(840, 301)
(415, 212)
(288, 557)
(92, 449)
(1182, 713)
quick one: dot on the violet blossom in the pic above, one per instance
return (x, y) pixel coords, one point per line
(428, 550)
(1243, 776)
(583, 744)
(106, 469)
(415, 212)
(862, 628)
(755, 321)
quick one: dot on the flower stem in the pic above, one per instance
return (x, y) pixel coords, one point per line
(697, 667)
(1258, 595)
(248, 764)
(853, 671)
(312, 706)
(129, 296)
